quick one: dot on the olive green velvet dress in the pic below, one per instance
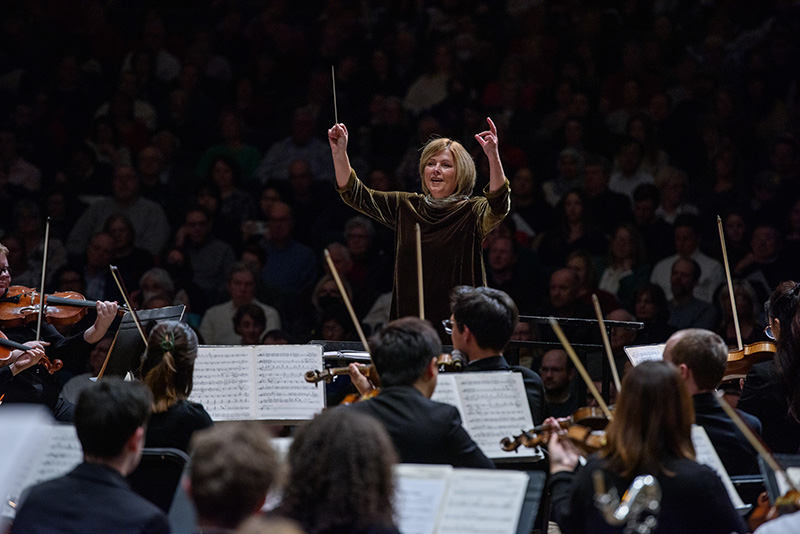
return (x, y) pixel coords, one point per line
(451, 233)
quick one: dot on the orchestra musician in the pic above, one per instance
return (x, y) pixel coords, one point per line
(451, 222)
(771, 389)
(405, 354)
(35, 384)
(480, 326)
(701, 357)
(650, 434)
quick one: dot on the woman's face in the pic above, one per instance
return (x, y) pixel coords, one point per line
(440, 174)
(645, 307)
(622, 244)
(250, 330)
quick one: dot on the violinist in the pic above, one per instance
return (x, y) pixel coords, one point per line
(771, 389)
(701, 357)
(16, 362)
(405, 354)
(35, 384)
(650, 434)
(481, 323)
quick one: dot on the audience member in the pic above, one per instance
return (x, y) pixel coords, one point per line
(687, 245)
(625, 268)
(148, 218)
(558, 378)
(250, 322)
(210, 258)
(607, 208)
(217, 326)
(686, 310)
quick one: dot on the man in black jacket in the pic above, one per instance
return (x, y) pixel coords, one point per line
(404, 353)
(701, 357)
(110, 419)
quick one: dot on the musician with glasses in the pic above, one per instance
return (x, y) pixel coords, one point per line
(35, 384)
(771, 389)
(480, 326)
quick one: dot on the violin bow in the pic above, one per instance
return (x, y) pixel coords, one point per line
(751, 437)
(44, 271)
(730, 283)
(121, 285)
(346, 299)
(579, 366)
(606, 342)
(419, 273)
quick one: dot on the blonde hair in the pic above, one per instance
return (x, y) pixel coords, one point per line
(464, 164)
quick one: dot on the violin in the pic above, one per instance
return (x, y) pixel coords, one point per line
(447, 363)
(20, 306)
(740, 361)
(585, 437)
(6, 346)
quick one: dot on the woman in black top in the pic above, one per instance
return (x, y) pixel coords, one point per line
(167, 369)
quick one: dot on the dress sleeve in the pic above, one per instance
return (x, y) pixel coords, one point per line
(379, 205)
(492, 208)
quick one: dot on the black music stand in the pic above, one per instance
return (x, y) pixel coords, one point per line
(128, 346)
(786, 461)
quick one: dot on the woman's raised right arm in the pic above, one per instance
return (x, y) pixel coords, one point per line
(337, 138)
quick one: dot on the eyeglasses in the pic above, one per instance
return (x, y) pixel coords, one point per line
(768, 332)
(448, 326)
(4, 270)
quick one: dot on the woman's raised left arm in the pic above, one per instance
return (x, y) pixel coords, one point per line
(489, 143)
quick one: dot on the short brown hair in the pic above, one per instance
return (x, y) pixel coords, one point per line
(233, 467)
(704, 353)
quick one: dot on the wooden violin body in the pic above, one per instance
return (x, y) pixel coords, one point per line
(6, 346)
(20, 306)
(740, 361)
(585, 428)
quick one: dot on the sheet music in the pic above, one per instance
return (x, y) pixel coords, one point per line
(642, 353)
(706, 454)
(783, 485)
(239, 383)
(419, 493)
(224, 382)
(24, 426)
(447, 392)
(281, 390)
(484, 502)
(495, 406)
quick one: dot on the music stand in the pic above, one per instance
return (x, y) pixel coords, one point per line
(128, 346)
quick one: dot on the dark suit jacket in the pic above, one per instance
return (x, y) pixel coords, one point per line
(92, 498)
(423, 431)
(533, 382)
(765, 396)
(735, 452)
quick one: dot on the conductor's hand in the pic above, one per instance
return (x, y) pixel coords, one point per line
(488, 140)
(361, 382)
(337, 138)
(563, 454)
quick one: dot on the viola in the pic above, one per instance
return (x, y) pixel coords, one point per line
(20, 306)
(6, 346)
(585, 428)
(584, 437)
(740, 361)
(447, 363)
